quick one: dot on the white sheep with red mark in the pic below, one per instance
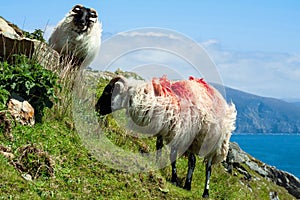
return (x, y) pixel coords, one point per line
(189, 115)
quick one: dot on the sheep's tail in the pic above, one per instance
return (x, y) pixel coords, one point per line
(229, 127)
(230, 119)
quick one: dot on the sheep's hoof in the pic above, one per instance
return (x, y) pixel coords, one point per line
(187, 187)
(205, 194)
(174, 181)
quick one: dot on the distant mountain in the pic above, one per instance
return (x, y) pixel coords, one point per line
(296, 103)
(258, 114)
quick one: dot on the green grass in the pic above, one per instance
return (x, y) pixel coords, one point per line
(79, 175)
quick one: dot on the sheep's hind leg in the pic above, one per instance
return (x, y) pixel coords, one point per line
(208, 173)
(191, 167)
(159, 146)
(173, 156)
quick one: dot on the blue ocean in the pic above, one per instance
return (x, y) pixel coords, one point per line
(279, 150)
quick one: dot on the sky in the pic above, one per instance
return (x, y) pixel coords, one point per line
(255, 45)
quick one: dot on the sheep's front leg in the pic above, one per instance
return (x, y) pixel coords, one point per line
(191, 167)
(159, 146)
(208, 173)
(173, 156)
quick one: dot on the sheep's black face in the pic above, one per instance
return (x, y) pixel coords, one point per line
(103, 106)
(113, 96)
(83, 18)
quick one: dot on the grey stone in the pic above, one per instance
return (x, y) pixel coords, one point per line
(236, 156)
(7, 30)
(12, 43)
(21, 111)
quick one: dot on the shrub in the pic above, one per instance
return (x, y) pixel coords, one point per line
(36, 34)
(4, 95)
(29, 80)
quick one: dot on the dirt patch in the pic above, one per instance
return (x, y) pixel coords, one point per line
(6, 152)
(5, 125)
(34, 161)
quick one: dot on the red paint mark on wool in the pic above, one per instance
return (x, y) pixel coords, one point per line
(182, 90)
(164, 87)
(202, 82)
(182, 93)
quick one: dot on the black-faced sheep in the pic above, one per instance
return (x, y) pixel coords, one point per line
(78, 35)
(189, 115)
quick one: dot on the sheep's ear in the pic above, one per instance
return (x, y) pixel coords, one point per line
(119, 87)
(116, 79)
(119, 84)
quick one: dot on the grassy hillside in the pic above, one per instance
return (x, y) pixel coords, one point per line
(50, 160)
(77, 174)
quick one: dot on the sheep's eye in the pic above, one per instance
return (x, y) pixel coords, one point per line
(130, 101)
(117, 88)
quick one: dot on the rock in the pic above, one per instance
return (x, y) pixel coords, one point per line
(285, 179)
(27, 177)
(7, 30)
(21, 111)
(6, 152)
(12, 42)
(236, 156)
(254, 166)
(273, 196)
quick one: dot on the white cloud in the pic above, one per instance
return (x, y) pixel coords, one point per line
(262, 73)
(158, 47)
(149, 34)
(209, 43)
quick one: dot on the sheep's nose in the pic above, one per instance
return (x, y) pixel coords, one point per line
(82, 20)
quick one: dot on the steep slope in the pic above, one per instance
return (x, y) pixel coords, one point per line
(77, 174)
